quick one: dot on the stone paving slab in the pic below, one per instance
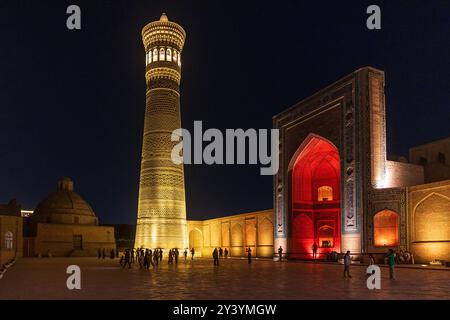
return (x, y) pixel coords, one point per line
(33, 278)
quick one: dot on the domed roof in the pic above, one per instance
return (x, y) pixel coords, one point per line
(64, 201)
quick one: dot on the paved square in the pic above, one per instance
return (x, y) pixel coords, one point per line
(32, 278)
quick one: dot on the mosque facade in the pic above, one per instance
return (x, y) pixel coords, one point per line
(336, 188)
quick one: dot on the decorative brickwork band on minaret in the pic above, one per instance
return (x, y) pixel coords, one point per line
(161, 219)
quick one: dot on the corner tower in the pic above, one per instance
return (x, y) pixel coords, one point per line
(161, 218)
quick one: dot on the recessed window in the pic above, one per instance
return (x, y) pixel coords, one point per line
(175, 56)
(162, 54)
(155, 55)
(325, 193)
(169, 54)
(9, 240)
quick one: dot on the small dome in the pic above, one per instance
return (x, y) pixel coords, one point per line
(164, 18)
(64, 202)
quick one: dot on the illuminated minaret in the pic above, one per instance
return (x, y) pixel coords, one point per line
(161, 219)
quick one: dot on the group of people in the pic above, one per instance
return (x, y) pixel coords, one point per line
(101, 253)
(390, 260)
(404, 257)
(149, 257)
(220, 253)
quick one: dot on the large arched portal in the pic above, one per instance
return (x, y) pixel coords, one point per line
(315, 173)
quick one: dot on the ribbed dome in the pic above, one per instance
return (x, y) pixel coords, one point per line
(65, 202)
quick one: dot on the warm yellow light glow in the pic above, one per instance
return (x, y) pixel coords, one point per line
(385, 225)
(325, 193)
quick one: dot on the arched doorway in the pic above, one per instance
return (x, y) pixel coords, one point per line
(196, 241)
(315, 211)
(385, 228)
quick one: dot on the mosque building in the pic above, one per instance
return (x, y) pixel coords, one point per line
(64, 224)
(336, 186)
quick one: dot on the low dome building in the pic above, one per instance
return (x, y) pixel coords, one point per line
(64, 224)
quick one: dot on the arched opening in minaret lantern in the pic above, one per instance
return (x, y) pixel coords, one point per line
(315, 198)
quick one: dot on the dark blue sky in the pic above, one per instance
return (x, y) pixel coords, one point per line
(72, 102)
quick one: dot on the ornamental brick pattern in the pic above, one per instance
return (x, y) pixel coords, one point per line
(161, 219)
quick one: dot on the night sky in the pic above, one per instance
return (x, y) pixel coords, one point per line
(72, 102)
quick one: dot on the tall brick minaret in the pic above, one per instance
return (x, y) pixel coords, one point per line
(161, 218)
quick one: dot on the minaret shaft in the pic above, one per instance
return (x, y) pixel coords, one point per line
(161, 220)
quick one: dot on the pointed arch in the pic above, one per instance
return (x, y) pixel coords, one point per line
(386, 228)
(315, 196)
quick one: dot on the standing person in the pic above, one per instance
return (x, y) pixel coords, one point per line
(170, 256)
(215, 255)
(226, 253)
(371, 262)
(132, 256)
(146, 259)
(160, 255)
(177, 253)
(185, 254)
(314, 249)
(280, 253)
(104, 253)
(112, 254)
(192, 253)
(220, 252)
(150, 258)
(249, 255)
(99, 253)
(141, 261)
(391, 262)
(347, 262)
(156, 256)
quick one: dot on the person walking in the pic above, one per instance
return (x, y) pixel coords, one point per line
(220, 252)
(391, 262)
(160, 255)
(280, 253)
(347, 262)
(127, 259)
(226, 253)
(185, 254)
(192, 253)
(314, 249)
(249, 255)
(215, 255)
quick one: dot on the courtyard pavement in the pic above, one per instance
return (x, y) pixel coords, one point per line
(33, 278)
